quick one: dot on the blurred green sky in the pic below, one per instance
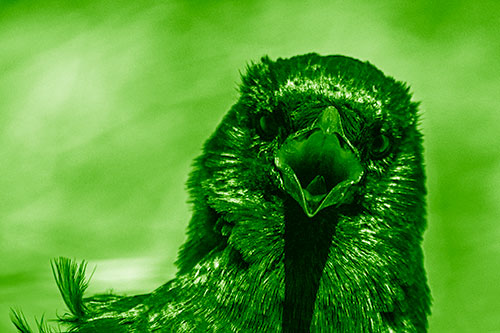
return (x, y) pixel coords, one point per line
(103, 106)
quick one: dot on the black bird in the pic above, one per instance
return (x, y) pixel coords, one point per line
(308, 214)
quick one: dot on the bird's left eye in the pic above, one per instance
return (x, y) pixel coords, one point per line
(380, 146)
(268, 126)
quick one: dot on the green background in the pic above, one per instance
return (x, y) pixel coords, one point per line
(103, 105)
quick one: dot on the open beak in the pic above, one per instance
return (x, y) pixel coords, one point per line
(319, 165)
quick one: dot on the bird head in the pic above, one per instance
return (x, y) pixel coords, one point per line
(332, 134)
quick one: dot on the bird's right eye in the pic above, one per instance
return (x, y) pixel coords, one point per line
(268, 126)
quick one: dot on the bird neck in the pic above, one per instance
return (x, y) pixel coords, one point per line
(307, 244)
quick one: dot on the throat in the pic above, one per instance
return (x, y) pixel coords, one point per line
(307, 244)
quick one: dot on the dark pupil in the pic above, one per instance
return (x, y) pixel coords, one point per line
(380, 144)
(267, 124)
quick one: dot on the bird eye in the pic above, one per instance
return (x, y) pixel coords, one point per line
(380, 146)
(268, 126)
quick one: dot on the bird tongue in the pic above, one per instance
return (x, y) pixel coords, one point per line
(316, 191)
(317, 186)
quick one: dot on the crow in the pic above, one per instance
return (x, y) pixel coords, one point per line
(308, 214)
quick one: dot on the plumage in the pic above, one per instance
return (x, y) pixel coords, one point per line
(308, 214)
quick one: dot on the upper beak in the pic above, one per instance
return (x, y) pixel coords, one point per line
(318, 165)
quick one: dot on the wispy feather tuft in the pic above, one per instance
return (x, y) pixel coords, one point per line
(19, 320)
(43, 327)
(71, 281)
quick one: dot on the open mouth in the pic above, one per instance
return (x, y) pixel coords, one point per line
(319, 165)
(317, 194)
